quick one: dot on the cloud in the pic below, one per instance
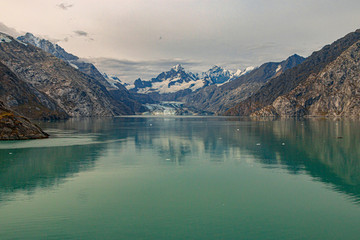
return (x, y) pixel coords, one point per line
(64, 6)
(8, 30)
(128, 71)
(81, 33)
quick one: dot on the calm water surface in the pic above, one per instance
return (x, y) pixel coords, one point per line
(183, 178)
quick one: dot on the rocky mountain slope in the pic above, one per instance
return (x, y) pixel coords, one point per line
(75, 92)
(218, 99)
(115, 88)
(334, 91)
(26, 100)
(286, 82)
(14, 127)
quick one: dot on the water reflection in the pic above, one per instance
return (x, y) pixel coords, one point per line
(324, 149)
(328, 150)
(26, 169)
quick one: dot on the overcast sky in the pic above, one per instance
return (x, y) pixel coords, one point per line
(141, 38)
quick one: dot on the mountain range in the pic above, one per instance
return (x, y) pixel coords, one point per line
(218, 99)
(176, 83)
(40, 80)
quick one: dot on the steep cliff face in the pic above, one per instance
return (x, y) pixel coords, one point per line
(290, 79)
(335, 91)
(75, 92)
(14, 127)
(218, 99)
(24, 99)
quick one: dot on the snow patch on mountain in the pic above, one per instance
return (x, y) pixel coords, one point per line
(4, 38)
(73, 65)
(113, 80)
(247, 70)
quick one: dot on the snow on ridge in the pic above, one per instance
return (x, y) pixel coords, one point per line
(247, 70)
(238, 73)
(278, 68)
(113, 80)
(4, 38)
(73, 65)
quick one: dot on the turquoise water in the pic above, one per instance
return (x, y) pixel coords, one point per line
(183, 178)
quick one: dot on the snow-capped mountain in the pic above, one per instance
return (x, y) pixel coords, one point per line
(178, 79)
(169, 82)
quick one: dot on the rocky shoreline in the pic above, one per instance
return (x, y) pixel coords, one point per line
(14, 127)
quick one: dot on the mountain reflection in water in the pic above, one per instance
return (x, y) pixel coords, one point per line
(326, 150)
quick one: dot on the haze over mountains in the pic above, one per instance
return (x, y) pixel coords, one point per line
(41, 80)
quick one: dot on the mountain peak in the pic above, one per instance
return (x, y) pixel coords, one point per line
(177, 68)
(30, 35)
(215, 67)
(47, 46)
(295, 56)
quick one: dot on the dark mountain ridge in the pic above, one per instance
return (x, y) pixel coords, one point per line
(291, 78)
(333, 92)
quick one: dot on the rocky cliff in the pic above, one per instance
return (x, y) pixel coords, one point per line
(26, 100)
(334, 91)
(75, 92)
(264, 98)
(14, 127)
(117, 91)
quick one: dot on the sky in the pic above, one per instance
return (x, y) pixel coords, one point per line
(141, 38)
